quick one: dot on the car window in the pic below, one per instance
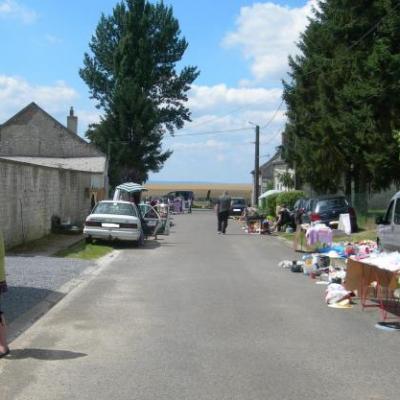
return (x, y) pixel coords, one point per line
(329, 204)
(389, 212)
(115, 209)
(396, 217)
(239, 202)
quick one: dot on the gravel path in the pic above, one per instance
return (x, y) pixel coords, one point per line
(31, 279)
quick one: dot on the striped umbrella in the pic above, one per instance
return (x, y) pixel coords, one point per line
(131, 187)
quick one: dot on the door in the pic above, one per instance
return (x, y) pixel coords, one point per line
(163, 212)
(385, 230)
(395, 243)
(151, 219)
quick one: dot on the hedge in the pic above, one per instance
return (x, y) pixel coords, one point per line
(289, 198)
(270, 203)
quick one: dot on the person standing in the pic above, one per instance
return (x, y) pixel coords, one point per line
(4, 350)
(223, 207)
(298, 219)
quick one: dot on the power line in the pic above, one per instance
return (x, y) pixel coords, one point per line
(214, 132)
(273, 116)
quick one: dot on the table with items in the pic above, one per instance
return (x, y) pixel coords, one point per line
(376, 280)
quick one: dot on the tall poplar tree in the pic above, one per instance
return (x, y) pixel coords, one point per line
(131, 71)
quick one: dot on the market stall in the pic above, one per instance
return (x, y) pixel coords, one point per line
(376, 279)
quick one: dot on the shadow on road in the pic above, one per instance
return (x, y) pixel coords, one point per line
(43, 354)
(20, 299)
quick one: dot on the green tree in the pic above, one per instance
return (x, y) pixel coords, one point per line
(342, 104)
(131, 72)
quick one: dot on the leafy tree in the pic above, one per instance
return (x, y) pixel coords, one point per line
(342, 104)
(131, 72)
(286, 179)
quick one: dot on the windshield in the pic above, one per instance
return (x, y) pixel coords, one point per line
(330, 204)
(239, 202)
(115, 209)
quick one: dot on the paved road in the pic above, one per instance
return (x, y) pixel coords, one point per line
(202, 316)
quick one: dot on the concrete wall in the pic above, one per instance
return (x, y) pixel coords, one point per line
(32, 132)
(30, 195)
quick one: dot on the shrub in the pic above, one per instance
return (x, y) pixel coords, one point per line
(289, 198)
(270, 203)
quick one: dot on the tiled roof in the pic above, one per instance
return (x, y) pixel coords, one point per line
(85, 164)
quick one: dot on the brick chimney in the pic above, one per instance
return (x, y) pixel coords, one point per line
(72, 121)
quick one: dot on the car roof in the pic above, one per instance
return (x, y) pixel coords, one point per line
(116, 201)
(328, 197)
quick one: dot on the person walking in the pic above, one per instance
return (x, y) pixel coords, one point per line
(223, 207)
(4, 350)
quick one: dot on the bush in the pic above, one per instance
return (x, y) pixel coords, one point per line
(270, 203)
(289, 198)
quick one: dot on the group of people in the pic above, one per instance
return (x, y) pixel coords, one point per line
(284, 217)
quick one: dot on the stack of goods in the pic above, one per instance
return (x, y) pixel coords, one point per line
(388, 261)
(319, 233)
(337, 295)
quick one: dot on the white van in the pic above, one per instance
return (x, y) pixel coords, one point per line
(389, 226)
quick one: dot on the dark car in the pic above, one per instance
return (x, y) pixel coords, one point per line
(238, 204)
(327, 209)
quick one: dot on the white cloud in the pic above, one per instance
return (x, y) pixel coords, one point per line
(16, 93)
(204, 146)
(218, 96)
(15, 10)
(267, 33)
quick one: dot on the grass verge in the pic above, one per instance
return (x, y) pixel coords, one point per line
(367, 234)
(85, 251)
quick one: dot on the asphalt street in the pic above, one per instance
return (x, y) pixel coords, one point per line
(198, 315)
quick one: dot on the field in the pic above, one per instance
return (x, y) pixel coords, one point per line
(201, 189)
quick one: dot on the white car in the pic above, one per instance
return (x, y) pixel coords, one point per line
(389, 226)
(114, 220)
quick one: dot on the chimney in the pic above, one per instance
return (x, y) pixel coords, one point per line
(72, 121)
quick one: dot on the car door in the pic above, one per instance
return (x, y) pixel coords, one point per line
(163, 212)
(151, 219)
(395, 243)
(385, 230)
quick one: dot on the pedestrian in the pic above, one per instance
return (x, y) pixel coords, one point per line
(223, 207)
(4, 350)
(298, 216)
(283, 218)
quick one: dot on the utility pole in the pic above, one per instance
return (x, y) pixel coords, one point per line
(257, 166)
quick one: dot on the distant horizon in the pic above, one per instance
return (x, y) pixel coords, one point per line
(196, 182)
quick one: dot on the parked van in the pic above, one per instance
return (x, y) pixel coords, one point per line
(389, 226)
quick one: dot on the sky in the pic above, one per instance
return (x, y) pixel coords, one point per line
(241, 48)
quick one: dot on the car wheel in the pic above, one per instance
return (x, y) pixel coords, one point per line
(89, 240)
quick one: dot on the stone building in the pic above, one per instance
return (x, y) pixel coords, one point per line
(46, 170)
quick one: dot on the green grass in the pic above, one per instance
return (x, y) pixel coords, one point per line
(367, 234)
(85, 251)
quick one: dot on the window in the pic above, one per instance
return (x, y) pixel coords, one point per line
(389, 212)
(115, 209)
(396, 218)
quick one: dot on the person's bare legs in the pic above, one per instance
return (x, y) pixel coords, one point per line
(3, 336)
(296, 237)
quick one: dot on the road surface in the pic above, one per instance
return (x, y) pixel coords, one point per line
(202, 316)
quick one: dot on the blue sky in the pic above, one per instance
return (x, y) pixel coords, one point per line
(240, 46)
